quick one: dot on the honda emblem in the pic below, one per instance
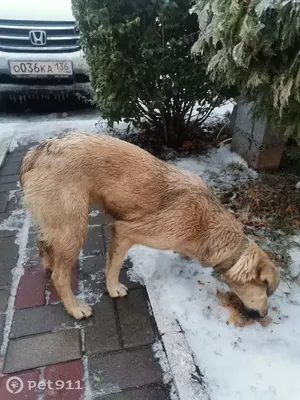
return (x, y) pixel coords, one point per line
(38, 38)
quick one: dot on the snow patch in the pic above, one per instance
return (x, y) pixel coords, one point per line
(23, 134)
(36, 129)
(219, 113)
(13, 194)
(14, 221)
(294, 265)
(86, 293)
(89, 296)
(218, 166)
(94, 213)
(231, 363)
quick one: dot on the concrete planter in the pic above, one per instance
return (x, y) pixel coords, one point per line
(253, 140)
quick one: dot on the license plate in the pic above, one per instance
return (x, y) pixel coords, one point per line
(41, 68)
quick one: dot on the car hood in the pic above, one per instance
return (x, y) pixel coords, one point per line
(36, 10)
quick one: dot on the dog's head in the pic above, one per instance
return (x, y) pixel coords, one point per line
(253, 278)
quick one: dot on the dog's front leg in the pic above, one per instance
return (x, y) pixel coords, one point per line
(118, 248)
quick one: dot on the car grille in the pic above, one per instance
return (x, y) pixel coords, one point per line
(56, 37)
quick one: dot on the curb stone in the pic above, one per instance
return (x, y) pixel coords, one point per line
(4, 146)
(187, 378)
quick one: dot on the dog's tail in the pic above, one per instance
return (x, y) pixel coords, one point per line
(29, 162)
(27, 165)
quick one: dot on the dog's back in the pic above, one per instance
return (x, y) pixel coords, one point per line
(123, 178)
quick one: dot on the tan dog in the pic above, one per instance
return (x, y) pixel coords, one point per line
(152, 203)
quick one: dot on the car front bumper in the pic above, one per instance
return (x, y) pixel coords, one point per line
(15, 87)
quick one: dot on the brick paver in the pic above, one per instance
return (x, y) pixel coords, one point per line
(6, 187)
(10, 168)
(109, 355)
(123, 370)
(92, 274)
(94, 242)
(14, 203)
(2, 324)
(144, 393)
(42, 319)
(135, 320)
(3, 201)
(33, 256)
(9, 178)
(28, 379)
(4, 296)
(5, 279)
(8, 250)
(97, 217)
(40, 350)
(101, 334)
(69, 378)
(34, 277)
(106, 236)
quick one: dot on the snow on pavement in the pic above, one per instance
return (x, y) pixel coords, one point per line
(254, 362)
(23, 131)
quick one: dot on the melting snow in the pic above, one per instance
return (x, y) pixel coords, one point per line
(237, 363)
(24, 130)
(14, 222)
(94, 213)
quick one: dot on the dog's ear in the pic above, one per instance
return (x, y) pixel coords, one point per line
(245, 269)
(253, 265)
(268, 273)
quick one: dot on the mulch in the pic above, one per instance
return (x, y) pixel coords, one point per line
(199, 139)
(271, 200)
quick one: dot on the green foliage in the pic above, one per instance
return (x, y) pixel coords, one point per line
(140, 63)
(255, 45)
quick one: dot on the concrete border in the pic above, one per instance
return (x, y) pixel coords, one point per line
(188, 379)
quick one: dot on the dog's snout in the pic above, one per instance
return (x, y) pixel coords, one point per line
(252, 313)
(262, 315)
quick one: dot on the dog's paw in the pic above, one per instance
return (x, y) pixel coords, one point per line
(118, 290)
(83, 310)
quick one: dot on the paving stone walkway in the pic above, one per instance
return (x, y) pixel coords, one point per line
(109, 356)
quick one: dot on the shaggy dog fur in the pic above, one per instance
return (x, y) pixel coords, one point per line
(152, 203)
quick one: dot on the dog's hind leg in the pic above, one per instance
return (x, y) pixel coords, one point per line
(63, 263)
(61, 210)
(66, 242)
(118, 247)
